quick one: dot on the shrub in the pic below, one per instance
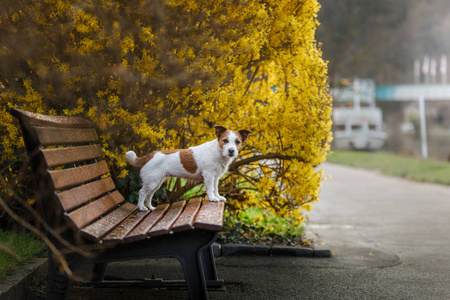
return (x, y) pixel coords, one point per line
(158, 74)
(256, 226)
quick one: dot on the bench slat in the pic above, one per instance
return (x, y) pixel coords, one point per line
(54, 121)
(164, 226)
(70, 177)
(140, 231)
(88, 213)
(186, 220)
(63, 156)
(61, 136)
(210, 216)
(97, 230)
(119, 233)
(79, 195)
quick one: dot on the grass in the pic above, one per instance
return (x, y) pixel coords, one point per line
(24, 247)
(432, 171)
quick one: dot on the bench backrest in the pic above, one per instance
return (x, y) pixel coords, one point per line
(72, 180)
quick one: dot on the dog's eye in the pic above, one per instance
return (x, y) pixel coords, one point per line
(238, 142)
(225, 141)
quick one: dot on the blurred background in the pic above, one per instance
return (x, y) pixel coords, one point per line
(389, 75)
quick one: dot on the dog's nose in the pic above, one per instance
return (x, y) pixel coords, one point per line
(231, 152)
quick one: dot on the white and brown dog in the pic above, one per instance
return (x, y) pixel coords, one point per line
(206, 162)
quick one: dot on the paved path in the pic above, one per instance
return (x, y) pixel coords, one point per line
(367, 218)
(390, 238)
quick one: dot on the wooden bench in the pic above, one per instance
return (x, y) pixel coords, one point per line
(77, 198)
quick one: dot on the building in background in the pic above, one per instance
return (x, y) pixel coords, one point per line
(357, 122)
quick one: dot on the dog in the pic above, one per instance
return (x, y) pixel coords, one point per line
(207, 162)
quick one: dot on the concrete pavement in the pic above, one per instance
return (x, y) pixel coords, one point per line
(363, 210)
(389, 237)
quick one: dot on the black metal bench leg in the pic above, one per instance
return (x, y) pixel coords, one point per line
(58, 285)
(191, 262)
(209, 267)
(99, 271)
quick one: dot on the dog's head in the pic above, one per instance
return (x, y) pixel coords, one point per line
(230, 142)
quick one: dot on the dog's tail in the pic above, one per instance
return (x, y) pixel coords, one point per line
(138, 161)
(131, 158)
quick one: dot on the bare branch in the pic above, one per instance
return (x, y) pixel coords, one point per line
(180, 192)
(38, 219)
(255, 158)
(10, 252)
(58, 256)
(251, 80)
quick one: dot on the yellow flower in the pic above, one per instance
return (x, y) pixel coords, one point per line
(307, 206)
(123, 174)
(257, 220)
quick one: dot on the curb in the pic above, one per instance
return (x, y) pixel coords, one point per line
(320, 250)
(14, 286)
(239, 249)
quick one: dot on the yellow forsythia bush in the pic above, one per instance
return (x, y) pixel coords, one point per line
(158, 74)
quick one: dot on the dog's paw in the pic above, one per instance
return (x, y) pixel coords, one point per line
(222, 199)
(142, 208)
(149, 206)
(214, 199)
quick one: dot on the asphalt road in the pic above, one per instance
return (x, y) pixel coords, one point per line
(390, 239)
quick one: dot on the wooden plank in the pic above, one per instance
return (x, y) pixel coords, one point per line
(53, 121)
(210, 216)
(140, 231)
(88, 213)
(66, 136)
(97, 230)
(186, 220)
(165, 224)
(64, 156)
(125, 227)
(77, 196)
(70, 177)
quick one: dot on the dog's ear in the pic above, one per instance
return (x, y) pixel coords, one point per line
(219, 130)
(244, 133)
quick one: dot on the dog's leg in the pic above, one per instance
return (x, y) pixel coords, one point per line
(145, 196)
(143, 193)
(209, 181)
(216, 189)
(149, 187)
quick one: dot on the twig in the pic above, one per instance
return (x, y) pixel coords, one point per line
(39, 220)
(255, 158)
(251, 80)
(58, 256)
(10, 252)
